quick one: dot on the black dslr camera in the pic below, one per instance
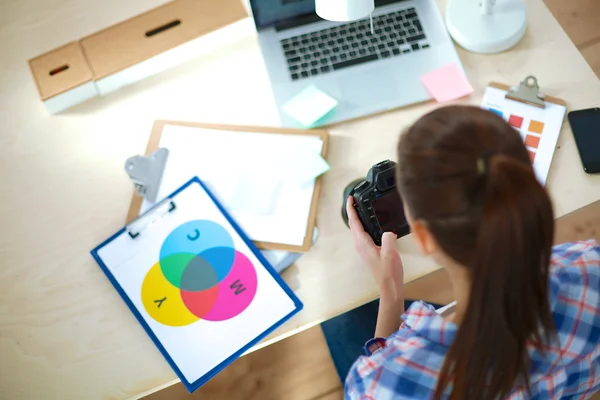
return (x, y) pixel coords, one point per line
(377, 202)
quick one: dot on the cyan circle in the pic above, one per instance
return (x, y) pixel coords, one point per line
(197, 255)
(195, 237)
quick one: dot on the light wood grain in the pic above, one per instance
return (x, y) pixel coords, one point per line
(64, 331)
(299, 368)
(580, 225)
(579, 18)
(591, 52)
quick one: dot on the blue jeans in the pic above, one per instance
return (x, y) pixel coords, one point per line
(347, 334)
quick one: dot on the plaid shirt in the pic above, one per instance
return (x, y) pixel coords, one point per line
(407, 364)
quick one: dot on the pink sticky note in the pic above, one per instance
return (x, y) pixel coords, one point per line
(446, 83)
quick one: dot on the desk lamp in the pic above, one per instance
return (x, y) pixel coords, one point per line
(344, 10)
(486, 26)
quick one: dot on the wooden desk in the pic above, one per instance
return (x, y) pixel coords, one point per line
(64, 331)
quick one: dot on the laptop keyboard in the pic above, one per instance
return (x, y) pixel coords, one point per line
(350, 44)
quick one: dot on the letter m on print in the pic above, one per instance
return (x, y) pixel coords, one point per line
(238, 287)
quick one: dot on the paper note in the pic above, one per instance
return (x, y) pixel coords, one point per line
(301, 166)
(254, 195)
(447, 83)
(309, 106)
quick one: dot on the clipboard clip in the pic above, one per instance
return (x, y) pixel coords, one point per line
(146, 172)
(527, 92)
(141, 223)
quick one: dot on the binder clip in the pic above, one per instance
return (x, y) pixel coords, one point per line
(146, 173)
(135, 227)
(527, 92)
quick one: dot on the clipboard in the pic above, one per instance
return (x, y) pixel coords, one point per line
(192, 333)
(153, 147)
(538, 118)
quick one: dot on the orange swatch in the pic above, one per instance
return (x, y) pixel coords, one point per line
(536, 126)
(532, 141)
(531, 155)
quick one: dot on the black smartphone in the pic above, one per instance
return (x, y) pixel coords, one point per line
(586, 130)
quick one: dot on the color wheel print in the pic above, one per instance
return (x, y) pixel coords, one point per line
(200, 275)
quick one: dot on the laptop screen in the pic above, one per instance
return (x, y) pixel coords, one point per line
(269, 13)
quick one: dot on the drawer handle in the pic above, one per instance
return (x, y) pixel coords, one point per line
(58, 70)
(163, 28)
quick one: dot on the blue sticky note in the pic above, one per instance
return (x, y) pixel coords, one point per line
(309, 106)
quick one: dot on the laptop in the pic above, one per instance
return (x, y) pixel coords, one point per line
(366, 72)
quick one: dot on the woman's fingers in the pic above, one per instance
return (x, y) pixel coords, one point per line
(389, 255)
(361, 237)
(353, 220)
(363, 243)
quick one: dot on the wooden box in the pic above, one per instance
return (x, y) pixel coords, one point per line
(63, 77)
(162, 38)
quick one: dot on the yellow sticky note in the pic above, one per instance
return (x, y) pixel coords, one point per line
(309, 106)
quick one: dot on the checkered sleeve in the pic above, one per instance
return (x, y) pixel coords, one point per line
(374, 345)
(364, 379)
(576, 278)
(370, 377)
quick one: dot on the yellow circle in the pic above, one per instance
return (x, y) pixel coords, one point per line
(163, 301)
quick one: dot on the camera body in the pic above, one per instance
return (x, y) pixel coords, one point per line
(377, 202)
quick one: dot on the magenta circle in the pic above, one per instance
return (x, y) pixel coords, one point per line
(236, 291)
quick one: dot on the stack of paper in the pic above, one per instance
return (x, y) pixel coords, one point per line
(265, 180)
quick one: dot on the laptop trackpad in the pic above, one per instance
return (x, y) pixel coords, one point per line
(371, 87)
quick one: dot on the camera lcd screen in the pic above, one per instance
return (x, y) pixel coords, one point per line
(389, 211)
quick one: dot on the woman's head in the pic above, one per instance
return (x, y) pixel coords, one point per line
(471, 194)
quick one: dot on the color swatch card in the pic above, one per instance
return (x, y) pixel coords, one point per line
(196, 283)
(539, 127)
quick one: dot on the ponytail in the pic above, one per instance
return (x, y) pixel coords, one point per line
(508, 304)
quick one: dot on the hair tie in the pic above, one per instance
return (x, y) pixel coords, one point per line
(483, 162)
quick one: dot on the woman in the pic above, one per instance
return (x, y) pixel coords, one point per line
(527, 316)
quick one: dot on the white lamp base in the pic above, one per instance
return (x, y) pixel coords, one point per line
(494, 32)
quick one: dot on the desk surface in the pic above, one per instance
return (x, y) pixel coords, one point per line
(64, 331)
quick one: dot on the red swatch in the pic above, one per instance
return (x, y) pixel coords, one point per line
(531, 155)
(515, 121)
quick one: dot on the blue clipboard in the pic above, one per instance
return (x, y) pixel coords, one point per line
(168, 206)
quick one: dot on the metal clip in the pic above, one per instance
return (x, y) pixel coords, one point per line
(527, 92)
(146, 173)
(135, 227)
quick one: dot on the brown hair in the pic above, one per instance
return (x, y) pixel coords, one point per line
(467, 175)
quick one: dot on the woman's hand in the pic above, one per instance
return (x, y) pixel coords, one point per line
(383, 262)
(386, 267)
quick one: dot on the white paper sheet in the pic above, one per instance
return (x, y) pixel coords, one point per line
(219, 158)
(254, 195)
(529, 120)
